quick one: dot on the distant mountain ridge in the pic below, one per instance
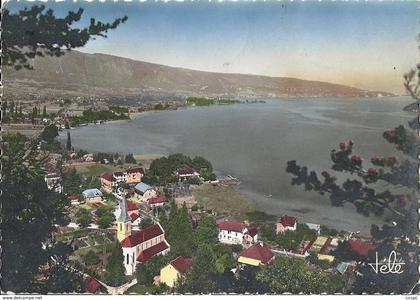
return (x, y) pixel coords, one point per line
(107, 75)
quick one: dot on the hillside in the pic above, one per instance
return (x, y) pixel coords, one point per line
(78, 73)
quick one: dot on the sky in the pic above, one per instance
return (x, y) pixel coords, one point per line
(369, 45)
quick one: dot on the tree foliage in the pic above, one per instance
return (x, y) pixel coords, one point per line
(115, 270)
(178, 225)
(291, 275)
(35, 31)
(29, 212)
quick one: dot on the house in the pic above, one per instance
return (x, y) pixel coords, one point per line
(139, 245)
(256, 255)
(231, 232)
(92, 195)
(92, 286)
(185, 173)
(108, 182)
(176, 269)
(120, 177)
(54, 182)
(144, 191)
(156, 201)
(134, 175)
(360, 248)
(286, 223)
(251, 236)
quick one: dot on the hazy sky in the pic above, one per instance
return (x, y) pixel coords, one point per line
(363, 44)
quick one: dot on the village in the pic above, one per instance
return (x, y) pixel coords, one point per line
(118, 207)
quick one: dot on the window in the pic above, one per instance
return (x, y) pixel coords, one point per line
(127, 259)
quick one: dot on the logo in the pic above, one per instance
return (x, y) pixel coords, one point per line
(390, 265)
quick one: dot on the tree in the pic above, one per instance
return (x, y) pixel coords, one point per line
(44, 112)
(145, 272)
(146, 222)
(201, 277)
(223, 258)
(129, 159)
(72, 182)
(38, 32)
(68, 143)
(115, 270)
(206, 231)
(91, 258)
(49, 133)
(180, 226)
(291, 275)
(105, 216)
(83, 217)
(29, 211)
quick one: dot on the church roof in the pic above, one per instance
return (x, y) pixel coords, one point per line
(147, 254)
(138, 237)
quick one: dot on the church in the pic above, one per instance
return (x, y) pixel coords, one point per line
(139, 245)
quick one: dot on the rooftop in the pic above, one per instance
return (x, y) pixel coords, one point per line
(258, 252)
(182, 264)
(91, 193)
(142, 187)
(138, 237)
(231, 226)
(288, 221)
(147, 254)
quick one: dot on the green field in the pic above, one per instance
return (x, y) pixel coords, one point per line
(224, 200)
(94, 170)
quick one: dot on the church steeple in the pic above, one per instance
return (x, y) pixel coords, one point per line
(123, 221)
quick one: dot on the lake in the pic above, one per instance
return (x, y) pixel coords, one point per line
(254, 141)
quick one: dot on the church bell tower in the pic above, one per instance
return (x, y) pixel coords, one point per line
(123, 221)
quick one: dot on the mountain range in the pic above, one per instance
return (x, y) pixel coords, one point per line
(78, 73)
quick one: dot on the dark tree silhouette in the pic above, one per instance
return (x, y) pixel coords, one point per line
(37, 32)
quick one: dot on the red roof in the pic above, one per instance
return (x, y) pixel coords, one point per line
(108, 177)
(131, 206)
(135, 170)
(231, 226)
(138, 237)
(185, 171)
(360, 248)
(258, 252)
(156, 200)
(134, 217)
(182, 264)
(288, 221)
(119, 174)
(92, 285)
(73, 197)
(147, 254)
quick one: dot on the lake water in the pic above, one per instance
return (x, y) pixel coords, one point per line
(253, 142)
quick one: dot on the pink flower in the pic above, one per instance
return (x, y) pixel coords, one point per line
(350, 142)
(356, 159)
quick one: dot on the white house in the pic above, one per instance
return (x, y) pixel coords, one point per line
(286, 223)
(231, 232)
(185, 173)
(120, 176)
